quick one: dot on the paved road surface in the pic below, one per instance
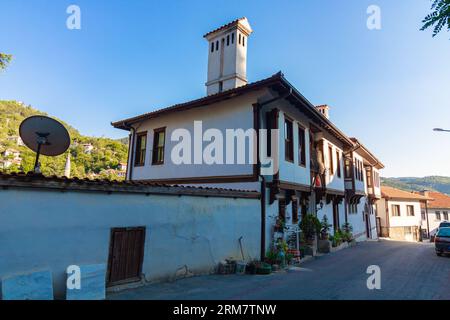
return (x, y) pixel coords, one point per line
(408, 271)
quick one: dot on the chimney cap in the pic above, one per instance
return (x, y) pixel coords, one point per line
(240, 23)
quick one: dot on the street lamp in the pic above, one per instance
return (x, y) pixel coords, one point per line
(441, 130)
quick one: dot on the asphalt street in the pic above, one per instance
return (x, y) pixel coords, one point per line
(408, 271)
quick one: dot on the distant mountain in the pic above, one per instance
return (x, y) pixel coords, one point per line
(432, 183)
(90, 156)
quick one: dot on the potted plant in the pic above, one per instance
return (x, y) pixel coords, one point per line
(324, 244)
(279, 225)
(337, 238)
(325, 228)
(347, 234)
(310, 226)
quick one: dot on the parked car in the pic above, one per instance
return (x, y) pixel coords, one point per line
(443, 224)
(442, 241)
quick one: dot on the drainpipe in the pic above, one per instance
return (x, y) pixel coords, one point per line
(263, 218)
(131, 155)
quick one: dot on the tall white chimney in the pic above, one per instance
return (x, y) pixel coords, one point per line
(227, 58)
(324, 109)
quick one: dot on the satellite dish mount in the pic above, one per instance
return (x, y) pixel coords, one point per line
(45, 136)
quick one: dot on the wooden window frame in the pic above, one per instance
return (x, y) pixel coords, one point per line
(438, 216)
(156, 148)
(398, 211)
(338, 164)
(410, 213)
(301, 145)
(138, 149)
(330, 159)
(269, 122)
(445, 215)
(288, 143)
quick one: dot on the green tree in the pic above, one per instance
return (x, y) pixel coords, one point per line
(439, 18)
(5, 59)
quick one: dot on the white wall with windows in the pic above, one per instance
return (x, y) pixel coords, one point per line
(404, 213)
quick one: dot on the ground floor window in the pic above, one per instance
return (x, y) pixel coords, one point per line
(438, 215)
(395, 210)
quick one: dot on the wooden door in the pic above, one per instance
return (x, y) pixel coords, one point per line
(336, 222)
(126, 254)
(367, 226)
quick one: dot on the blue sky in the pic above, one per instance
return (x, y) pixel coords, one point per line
(387, 87)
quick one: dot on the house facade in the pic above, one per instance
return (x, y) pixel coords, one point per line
(263, 136)
(399, 213)
(435, 211)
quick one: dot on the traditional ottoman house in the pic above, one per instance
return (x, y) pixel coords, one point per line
(363, 189)
(399, 213)
(219, 140)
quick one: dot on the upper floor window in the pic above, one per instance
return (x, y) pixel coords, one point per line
(288, 140)
(228, 40)
(438, 215)
(232, 38)
(330, 160)
(212, 46)
(338, 160)
(217, 45)
(239, 37)
(159, 139)
(445, 213)
(395, 210)
(410, 210)
(141, 147)
(348, 168)
(423, 215)
(243, 41)
(301, 147)
(369, 178)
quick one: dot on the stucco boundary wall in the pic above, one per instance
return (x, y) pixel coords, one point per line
(51, 223)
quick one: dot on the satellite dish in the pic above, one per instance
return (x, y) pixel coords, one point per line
(45, 136)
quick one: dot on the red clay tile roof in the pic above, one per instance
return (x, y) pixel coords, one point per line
(393, 193)
(31, 180)
(122, 124)
(440, 200)
(277, 79)
(368, 155)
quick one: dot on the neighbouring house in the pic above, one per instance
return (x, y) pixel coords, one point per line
(11, 153)
(363, 190)
(122, 166)
(17, 140)
(88, 148)
(10, 157)
(435, 211)
(306, 164)
(399, 214)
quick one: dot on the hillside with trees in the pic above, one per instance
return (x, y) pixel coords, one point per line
(90, 157)
(432, 183)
